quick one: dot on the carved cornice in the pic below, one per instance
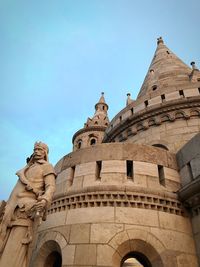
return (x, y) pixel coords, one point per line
(154, 117)
(117, 199)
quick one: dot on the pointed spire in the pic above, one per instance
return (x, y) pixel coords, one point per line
(100, 117)
(100, 102)
(102, 99)
(166, 69)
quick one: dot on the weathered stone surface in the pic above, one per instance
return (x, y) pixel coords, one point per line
(89, 215)
(104, 255)
(81, 252)
(145, 168)
(103, 232)
(137, 216)
(80, 233)
(171, 221)
(68, 254)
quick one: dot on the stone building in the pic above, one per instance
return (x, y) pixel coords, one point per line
(131, 187)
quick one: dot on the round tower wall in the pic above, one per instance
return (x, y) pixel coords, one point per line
(97, 221)
(84, 139)
(169, 119)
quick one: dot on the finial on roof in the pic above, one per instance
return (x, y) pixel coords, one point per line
(128, 100)
(194, 67)
(160, 40)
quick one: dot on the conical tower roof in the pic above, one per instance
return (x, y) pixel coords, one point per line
(100, 117)
(165, 70)
(101, 101)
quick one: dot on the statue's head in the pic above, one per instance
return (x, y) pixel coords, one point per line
(41, 151)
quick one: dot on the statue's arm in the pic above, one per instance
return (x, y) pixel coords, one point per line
(50, 186)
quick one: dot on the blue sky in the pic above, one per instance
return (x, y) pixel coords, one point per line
(58, 56)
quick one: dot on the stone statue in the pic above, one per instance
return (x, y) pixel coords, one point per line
(27, 204)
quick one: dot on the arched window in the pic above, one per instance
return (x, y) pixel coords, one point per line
(92, 141)
(79, 144)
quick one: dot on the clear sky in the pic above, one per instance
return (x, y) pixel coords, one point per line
(56, 57)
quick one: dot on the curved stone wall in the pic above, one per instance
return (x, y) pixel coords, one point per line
(83, 138)
(150, 118)
(99, 219)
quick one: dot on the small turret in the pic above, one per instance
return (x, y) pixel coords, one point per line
(94, 128)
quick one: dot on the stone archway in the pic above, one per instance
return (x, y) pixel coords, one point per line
(138, 244)
(49, 255)
(49, 250)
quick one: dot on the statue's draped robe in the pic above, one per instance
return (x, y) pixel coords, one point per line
(17, 217)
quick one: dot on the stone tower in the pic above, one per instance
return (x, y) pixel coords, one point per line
(93, 131)
(123, 193)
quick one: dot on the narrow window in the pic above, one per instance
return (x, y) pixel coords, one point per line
(199, 89)
(72, 172)
(132, 111)
(163, 97)
(103, 107)
(181, 93)
(79, 144)
(146, 103)
(98, 169)
(129, 169)
(161, 175)
(120, 118)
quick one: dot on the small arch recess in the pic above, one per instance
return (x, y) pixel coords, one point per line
(93, 141)
(154, 87)
(79, 143)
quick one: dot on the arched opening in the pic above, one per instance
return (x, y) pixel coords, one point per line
(137, 252)
(92, 141)
(54, 259)
(135, 259)
(49, 255)
(79, 144)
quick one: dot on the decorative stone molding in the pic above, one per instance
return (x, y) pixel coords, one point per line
(117, 199)
(170, 112)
